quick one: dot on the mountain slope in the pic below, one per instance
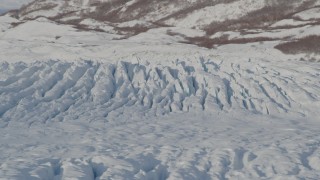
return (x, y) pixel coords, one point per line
(215, 19)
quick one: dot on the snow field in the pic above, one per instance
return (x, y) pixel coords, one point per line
(205, 118)
(152, 107)
(194, 145)
(57, 90)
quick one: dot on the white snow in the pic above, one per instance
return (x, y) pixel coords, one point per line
(69, 18)
(289, 22)
(81, 105)
(5, 23)
(187, 32)
(310, 14)
(289, 33)
(221, 116)
(43, 13)
(133, 23)
(37, 31)
(179, 146)
(91, 23)
(218, 13)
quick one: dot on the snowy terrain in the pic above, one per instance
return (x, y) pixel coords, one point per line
(214, 119)
(88, 101)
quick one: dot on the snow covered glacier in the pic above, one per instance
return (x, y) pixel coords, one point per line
(201, 118)
(80, 102)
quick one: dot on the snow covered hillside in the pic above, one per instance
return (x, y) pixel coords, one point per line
(183, 89)
(203, 23)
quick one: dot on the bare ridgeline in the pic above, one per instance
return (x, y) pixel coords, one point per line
(221, 21)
